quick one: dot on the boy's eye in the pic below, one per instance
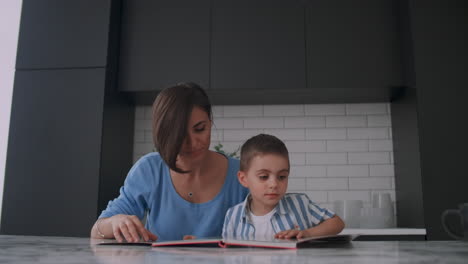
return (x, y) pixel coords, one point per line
(283, 177)
(263, 177)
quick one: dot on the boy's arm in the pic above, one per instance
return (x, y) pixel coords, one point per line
(331, 226)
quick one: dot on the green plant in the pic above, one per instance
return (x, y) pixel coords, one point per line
(219, 148)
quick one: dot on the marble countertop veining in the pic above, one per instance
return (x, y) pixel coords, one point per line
(38, 250)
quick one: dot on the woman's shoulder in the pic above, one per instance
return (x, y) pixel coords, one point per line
(151, 158)
(151, 162)
(233, 164)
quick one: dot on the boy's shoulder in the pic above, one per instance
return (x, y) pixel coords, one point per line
(301, 196)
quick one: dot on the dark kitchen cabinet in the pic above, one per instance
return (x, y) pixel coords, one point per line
(257, 45)
(353, 45)
(52, 170)
(429, 124)
(163, 43)
(71, 133)
(63, 34)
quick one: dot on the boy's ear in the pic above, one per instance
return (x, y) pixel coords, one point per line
(242, 178)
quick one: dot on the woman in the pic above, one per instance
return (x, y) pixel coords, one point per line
(185, 188)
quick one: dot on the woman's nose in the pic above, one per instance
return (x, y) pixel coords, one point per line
(190, 139)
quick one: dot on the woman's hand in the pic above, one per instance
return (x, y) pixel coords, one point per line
(130, 228)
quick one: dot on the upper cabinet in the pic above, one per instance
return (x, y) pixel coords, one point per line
(263, 51)
(163, 43)
(54, 34)
(353, 44)
(257, 45)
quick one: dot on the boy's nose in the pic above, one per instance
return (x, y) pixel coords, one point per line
(273, 183)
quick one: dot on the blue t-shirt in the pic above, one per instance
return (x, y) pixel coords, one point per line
(148, 187)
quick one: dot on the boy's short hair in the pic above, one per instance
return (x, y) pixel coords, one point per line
(259, 145)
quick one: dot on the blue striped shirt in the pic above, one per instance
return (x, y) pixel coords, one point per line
(294, 209)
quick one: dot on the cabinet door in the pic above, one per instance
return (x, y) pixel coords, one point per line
(63, 34)
(352, 44)
(257, 45)
(53, 165)
(163, 43)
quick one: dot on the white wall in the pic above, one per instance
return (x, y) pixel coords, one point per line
(10, 12)
(339, 151)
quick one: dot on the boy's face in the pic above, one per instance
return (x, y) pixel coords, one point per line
(267, 180)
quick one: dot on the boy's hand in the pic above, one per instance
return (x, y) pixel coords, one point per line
(292, 233)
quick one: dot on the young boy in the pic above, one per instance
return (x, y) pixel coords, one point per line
(268, 212)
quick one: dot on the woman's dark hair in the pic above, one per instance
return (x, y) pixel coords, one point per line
(261, 144)
(171, 113)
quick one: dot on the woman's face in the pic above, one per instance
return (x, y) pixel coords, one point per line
(197, 141)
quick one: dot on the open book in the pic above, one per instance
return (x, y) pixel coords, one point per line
(274, 243)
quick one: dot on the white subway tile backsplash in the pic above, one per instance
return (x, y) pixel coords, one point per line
(148, 136)
(368, 133)
(217, 135)
(317, 196)
(229, 123)
(229, 146)
(349, 195)
(287, 134)
(217, 110)
(326, 158)
(296, 184)
(283, 110)
(296, 158)
(143, 124)
(325, 133)
(142, 148)
(304, 122)
(323, 184)
(366, 109)
(148, 112)
(139, 136)
(347, 145)
(347, 170)
(379, 121)
(139, 113)
(372, 183)
(336, 151)
(381, 170)
(346, 121)
(264, 122)
(369, 157)
(240, 134)
(308, 171)
(243, 110)
(381, 145)
(305, 146)
(325, 109)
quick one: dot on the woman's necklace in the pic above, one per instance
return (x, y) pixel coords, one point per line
(190, 194)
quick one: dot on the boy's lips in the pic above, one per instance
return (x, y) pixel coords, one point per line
(271, 195)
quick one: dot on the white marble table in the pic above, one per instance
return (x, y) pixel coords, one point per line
(30, 249)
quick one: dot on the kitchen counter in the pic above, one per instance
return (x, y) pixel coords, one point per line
(30, 249)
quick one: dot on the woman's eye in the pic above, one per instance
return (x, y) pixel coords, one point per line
(199, 129)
